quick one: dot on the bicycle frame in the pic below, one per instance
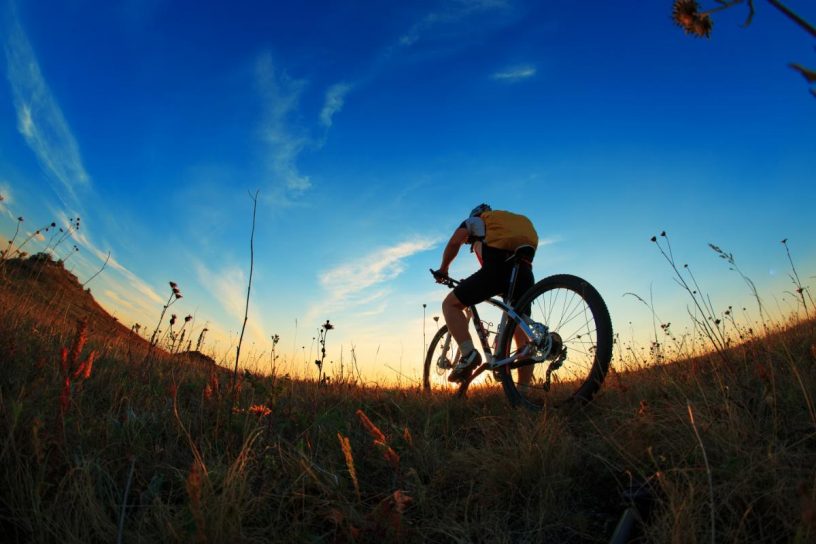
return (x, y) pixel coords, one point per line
(508, 313)
(535, 332)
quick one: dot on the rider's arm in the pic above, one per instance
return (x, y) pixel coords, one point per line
(459, 237)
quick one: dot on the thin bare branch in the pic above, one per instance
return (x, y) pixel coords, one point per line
(99, 271)
(249, 289)
(809, 28)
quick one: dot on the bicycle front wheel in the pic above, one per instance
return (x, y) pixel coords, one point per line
(575, 364)
(442, 354)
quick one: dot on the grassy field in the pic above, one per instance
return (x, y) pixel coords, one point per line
(104, 440)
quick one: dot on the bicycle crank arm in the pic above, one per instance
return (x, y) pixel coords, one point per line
(510, 360)
(463, 387)
(523, 362)
(481, 368)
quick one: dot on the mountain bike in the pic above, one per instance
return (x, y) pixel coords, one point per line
(568, 342)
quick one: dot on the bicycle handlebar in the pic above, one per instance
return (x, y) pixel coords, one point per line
(444, 279)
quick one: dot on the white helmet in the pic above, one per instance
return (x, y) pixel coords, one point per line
(478, 210)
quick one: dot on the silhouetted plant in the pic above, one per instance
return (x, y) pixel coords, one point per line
(171, 335)
(175, 294)
(64, 234)
(274, 356)
(321, 334)
(201, 338)
(86, 282)
(688, 15)
(729, 258)
(74, 252)
(656, 348)
(249, 290)
(10, 245)
(72, 368)
(797, 283)
(176, 345)
(36, 234)
(706, 318)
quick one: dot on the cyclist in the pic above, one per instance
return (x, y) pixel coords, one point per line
(496, 237)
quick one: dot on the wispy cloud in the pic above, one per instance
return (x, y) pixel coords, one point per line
(40, 119)
(6, 199)
(377, 267)
(515, 73)
(118, 299)
(285, 140)
(335, 99)
(282, 128)
(134, 282)
(361, 284)
(543, 242)
(453, 12)
(229, 286)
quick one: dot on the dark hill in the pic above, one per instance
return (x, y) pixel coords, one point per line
(44, 292)
(42, 289)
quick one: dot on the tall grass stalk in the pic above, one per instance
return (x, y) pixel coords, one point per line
(708, 473)
(104, 264)
(705, 309)
(794, 276)
(729, 258)
(5, 253)
(249, 290)
(123, 510)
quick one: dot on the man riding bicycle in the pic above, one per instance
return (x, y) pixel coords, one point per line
(498, 238)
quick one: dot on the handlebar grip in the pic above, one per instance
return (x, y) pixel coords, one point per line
(444, 279)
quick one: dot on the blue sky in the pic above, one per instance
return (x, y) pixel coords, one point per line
(371, 128)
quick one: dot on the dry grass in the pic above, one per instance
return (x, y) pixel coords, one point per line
(170, 455)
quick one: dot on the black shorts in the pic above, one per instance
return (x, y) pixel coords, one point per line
(494, 279)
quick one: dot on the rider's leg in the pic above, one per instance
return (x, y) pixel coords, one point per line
(457, 321)
(523, 283)
(525, 373)
(454, 311)
(480, 285)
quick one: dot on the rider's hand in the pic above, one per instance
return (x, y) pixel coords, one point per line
(440, 275)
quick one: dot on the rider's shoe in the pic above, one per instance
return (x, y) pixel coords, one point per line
(465, 366)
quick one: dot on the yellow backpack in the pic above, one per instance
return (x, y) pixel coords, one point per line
(508, 231)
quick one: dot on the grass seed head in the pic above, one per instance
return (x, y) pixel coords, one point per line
(345, 446)
(373, 430)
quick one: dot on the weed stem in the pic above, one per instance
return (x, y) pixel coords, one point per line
(708, 470)
(124, 501)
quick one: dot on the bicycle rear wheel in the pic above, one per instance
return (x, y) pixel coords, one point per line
(578, 359)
